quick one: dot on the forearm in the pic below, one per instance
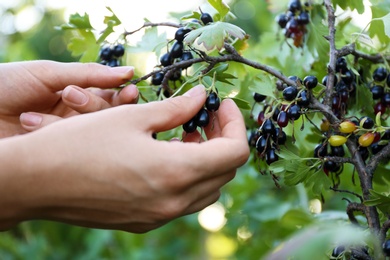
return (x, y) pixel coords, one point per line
(18, 175)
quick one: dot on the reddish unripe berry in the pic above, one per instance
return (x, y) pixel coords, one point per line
(366, 139)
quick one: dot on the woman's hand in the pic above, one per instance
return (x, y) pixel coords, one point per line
(105, 170)
(53, 90)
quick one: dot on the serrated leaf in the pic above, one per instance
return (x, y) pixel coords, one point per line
(380, 200)
(151, 41)
(318, 181)
(113, 19)
(386, 22)
(213, 35)
(264, 86)
(80, 22)
(241, 103)
(84, 46)
(221, 7)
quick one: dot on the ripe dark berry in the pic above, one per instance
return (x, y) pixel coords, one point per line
(190, 126)
(282, 119)
(303, 18)
(268, 127)
(386, 99)
(376, 147)
(261, 118)
(271, 156)
(177, 50)
(310, 82)
(166, 59)
(320, 150)
(294, 6)
(348, 77)
(379, 107)
(366, 122)
(379, 74)
(176, 75)
(330, 166)
(337, 151)
(202, 119)
(282, 20)
(292, 26)
(341, 65)
(303, 99)
(262, 144)
(118, 50)
(377, 91)
(181, 34)
(386, 247)
(338, 250)
(113, 63)
(187, 55)
(157, 78)
(206, 18)
(259, 97)
(290, 93)
(212, 102)
(106, 53)
(364, 153)
(294, 112)
(280, 136)
(325, 80)
(388, 80)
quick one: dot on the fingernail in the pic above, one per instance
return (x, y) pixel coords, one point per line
(125, 71)
(195, 91)
(74, 95)
(30, 119)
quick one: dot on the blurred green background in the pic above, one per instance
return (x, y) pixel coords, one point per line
(252, 217)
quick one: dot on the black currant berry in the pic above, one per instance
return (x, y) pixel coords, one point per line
(348, 77)
(379, 74)
(296, 79)
(176, 75)
(113, 63)
(190, 126)
(303, 99)
(271, 156)
(325, 80)
(294, 6)
(364, 153)
(181, 34)
(282, 119)
(341, 65)
(386, 247)
(290, 93)
(388, 80)
(202, 119)
(303, 18)
(106, 53)
(377, 91)
(118, 50)
(294, 112)
(206, 18)
(386, 99)
(262, 144)
(259, 97)
(310, 82)
(157, 78)
(282, 20)
(337, 151)
(320, 151)
(177, 50)
(376, 147)
(330, 166)
(187, 55)
(212, 102)
(280, 136)
(165, 91)
(166, 59)
(268, 127)
(338, 250)
(367, 122)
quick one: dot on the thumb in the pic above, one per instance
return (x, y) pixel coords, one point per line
(172, 112)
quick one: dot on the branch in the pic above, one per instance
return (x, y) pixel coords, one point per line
(350, 49)
(148, 24)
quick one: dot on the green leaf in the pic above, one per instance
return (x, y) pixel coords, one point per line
(380, 200)
(264, 86)
(386, 22)
(213, 35)
(151, 41)
(84, 46)
(76, 21)
(220, 6)
(111, 22)
(241, 103)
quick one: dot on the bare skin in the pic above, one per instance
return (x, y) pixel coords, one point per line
(104, 170)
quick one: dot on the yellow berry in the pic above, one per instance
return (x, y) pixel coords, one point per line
(337, 140)
(347, 127)
(366, 139)
(324, 125)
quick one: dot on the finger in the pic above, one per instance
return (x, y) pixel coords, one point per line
(192, 137)
(203, 203)
(213, 129)
(173, 112)
(82, 100)
(32, 121)
(83, 75)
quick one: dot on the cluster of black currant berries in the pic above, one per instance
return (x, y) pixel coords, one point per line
(273, 118)
(202, 118)
(294, 21)
(380, 88)
(176, 53)
(344, 87)
(110, 55)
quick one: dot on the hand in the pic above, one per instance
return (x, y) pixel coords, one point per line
(105, 170)
(47, 87)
